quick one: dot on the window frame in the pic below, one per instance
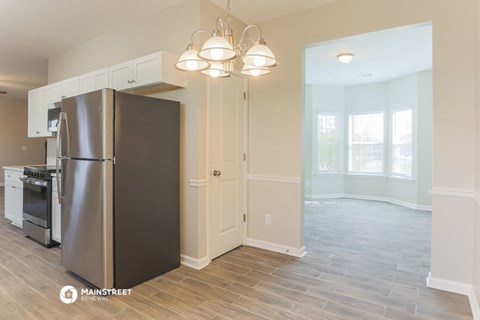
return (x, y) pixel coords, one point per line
(384, 171)
(337, 144)
(391, 174)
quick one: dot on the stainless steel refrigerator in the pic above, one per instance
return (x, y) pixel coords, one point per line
(118, 155)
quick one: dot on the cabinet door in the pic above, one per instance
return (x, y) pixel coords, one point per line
(121, 76)
(70, 87)
(10, 201)
(64, 89)
(18, 212)
(92, 81)
(57, 91)
(148, 70)
(37, 114)
(14, 203)
(56, 214)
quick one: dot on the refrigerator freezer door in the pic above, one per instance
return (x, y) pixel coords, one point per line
(88, 128)
(147, 223)
(87, 217)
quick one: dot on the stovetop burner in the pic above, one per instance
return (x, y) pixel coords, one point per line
(39, 171)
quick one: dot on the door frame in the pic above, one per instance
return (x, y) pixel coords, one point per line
(245, 166)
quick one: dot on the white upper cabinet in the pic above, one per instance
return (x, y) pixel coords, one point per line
(121, 76)
(64, 89)
(57, 91)
(37, 114)
(155, 71)
(92, 81)
(155, 68)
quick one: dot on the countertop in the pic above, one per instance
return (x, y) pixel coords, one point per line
(14, 168)
(20, 168)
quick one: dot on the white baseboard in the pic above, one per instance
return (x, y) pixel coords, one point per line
(373, 198)
(472, 297)
(448, 285)
(456, 287)
(296, 252)
(197, 264)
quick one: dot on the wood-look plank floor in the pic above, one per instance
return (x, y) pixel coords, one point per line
(366, 260)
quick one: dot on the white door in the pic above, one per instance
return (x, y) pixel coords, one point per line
(226, 188)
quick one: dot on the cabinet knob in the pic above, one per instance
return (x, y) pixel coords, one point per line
(217, 173)
(37, 132)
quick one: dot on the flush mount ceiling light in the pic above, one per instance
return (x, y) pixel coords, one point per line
(345, 57)
(218, 54)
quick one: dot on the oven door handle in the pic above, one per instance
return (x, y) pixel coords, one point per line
(35, 182)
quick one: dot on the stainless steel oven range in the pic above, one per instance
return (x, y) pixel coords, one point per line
(37, 204)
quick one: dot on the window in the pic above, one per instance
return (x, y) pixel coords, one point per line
(365, 143)
(402, 143)
(326, 143)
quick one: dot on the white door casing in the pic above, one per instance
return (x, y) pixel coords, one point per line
(227, 165)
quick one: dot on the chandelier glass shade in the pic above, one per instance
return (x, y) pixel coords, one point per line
(254, 71)
(260, 56)
(218, 54)
(217, 49)
(216, 71)
(189, 61)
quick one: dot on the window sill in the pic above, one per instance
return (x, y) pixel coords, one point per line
(366, 175)
(402, 179)
(328, 174)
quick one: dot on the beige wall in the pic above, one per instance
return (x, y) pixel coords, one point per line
(13, 136)
(276, 107)
(476, 224)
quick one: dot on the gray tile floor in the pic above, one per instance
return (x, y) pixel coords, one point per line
(378, 253)
(366, 260)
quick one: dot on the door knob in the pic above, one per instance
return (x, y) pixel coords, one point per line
(216, 173)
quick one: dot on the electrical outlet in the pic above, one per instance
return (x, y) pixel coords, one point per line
(268, 219)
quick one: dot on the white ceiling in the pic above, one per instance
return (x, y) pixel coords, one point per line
(379, 56)
(33, 30)
(255, 11)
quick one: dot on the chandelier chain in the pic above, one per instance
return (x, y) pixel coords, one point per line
(228, 9)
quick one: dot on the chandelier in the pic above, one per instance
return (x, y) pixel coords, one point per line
(218, 54)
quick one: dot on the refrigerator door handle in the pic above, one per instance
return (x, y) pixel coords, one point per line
(60, 156)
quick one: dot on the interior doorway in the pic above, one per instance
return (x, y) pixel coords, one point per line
(368, 123)
(367, 154)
